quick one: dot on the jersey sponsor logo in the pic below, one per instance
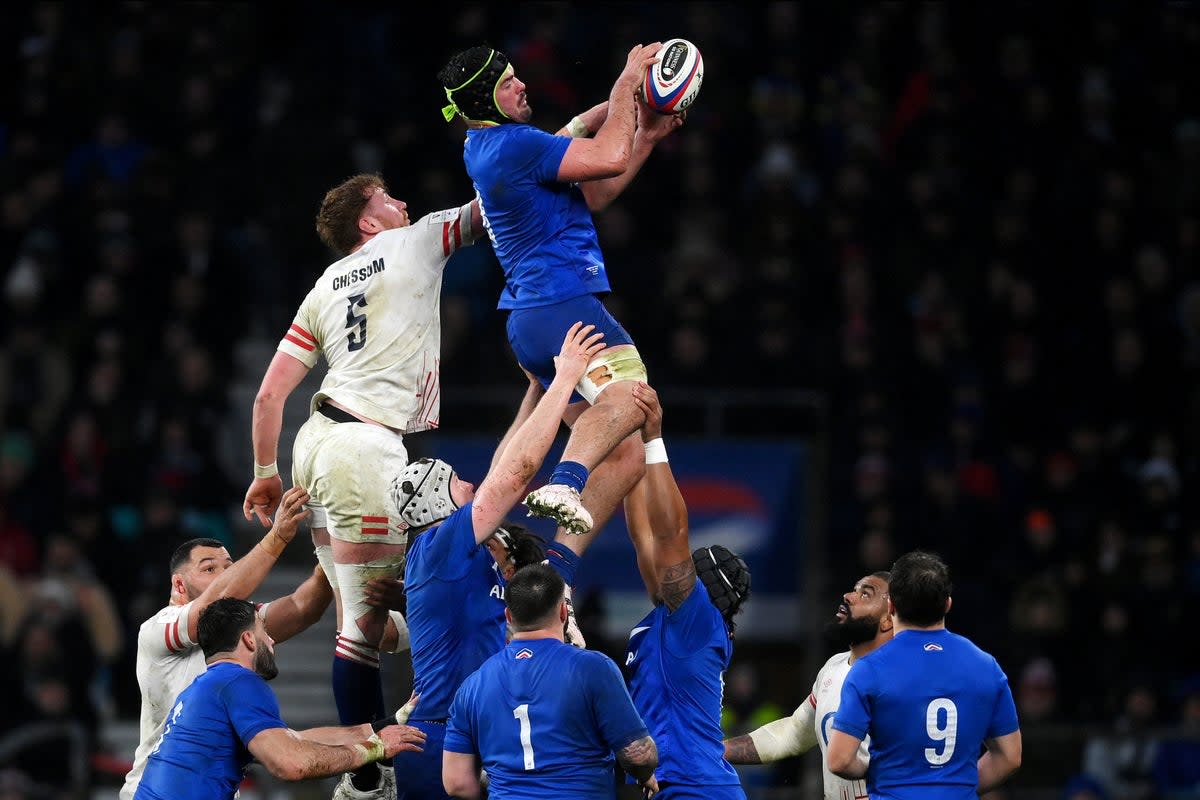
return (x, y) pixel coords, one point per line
(933, 647)
(355, 275)
(523, 653)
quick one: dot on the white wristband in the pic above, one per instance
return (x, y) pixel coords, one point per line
(656, 451)
(269, 471)
(577, 128)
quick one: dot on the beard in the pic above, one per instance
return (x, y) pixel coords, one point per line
(264, 663)
(854, 630)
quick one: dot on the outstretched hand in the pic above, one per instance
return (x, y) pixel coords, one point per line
(386, 593)
(636, 64)
(293, 511)
(655, 126)
(579, 348)
(647, 400)
(262, 498)
(402, 738)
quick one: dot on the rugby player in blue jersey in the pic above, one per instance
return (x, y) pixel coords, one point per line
(678, 653)
(229, 717)
(458, 555)
(543, 718)
(931, 701)
(537, 192)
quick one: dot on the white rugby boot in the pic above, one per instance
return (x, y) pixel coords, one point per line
(562, 504)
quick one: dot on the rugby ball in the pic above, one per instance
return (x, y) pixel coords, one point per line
(672, 83)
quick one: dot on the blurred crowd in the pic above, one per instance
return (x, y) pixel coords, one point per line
(976, 229)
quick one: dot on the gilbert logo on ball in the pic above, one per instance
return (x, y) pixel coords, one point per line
(672, 84)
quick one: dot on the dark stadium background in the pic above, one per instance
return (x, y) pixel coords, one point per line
(950, 250)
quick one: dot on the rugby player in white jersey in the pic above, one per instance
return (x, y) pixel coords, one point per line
(375, 316)
(862, 624)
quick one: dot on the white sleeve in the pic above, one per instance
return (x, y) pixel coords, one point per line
(300, 340)
(789, 736)
(444, 232)
(167, 633)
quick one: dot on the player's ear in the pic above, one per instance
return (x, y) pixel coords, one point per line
(949, 602)
(249, 640)
(508, 616)
(177, 586)
(369, 225)
(563, 612)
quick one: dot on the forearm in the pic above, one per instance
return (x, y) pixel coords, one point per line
(639, 758)
(994, 770)
(247, 573)
(265, 426)
(615, 138)
(336, 735)
(300, 610)
(528, 403)
(527, 447)
(592, 120)
(296, 758)
(741, 750)
(600, 193)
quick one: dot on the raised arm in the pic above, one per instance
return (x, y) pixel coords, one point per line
(527, 448)
(295, 756)
(657, 516)
(1002, 759)
(245, 575)
(283, 376)
(652, 128)
(608, 152)
(533, 393)
(586, 123)
(300, 610)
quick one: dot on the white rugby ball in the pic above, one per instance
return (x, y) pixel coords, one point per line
(673, 82)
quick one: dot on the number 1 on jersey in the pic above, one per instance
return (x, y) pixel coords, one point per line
(521, 712)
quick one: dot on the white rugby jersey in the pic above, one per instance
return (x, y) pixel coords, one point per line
(822, 704)
(376, 317)
(167, 663)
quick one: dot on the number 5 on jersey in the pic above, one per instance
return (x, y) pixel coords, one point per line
(356, 339)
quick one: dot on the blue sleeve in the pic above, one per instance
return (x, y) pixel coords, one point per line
(1004, 715)
(612, 706)
(460, 737)
(251, 706)
(541, 153)
(446, 554)
(694, 625)
(854, 711)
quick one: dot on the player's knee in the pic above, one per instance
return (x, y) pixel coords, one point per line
(629, 458)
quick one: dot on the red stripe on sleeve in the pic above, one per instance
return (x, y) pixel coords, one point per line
(175, 632)
(299, 342)
(303, 333)
(812, 701)
(167, 638)
(446, 239)
(458, 233)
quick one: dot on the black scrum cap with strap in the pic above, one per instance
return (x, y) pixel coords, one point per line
(726, 578)
(470, 81)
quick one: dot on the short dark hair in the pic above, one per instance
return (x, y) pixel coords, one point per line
(222, 623)
(533, 595)
(337, 220)
(183, 553)
(919, 587)
(523, 545)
